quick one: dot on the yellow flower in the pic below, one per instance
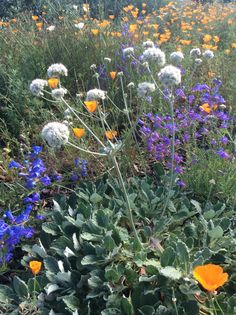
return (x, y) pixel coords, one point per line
(39, 25)
(79, 132)
(233, 45)
(210, 276)
(113, 74)
(207, 38)
(95, 32)
(91, 106)
(53, 83)
(35, 266)
(111, 134)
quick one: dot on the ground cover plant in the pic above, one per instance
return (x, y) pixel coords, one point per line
(118, 159)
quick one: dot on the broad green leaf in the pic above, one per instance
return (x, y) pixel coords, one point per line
(72, 302)
(168, 257)
(20, 287)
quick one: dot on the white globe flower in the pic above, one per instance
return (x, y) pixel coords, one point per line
(145, 88)
(154, 54)
(37, 86)
(195, 52)
(208, 54)
(55, 134)
(170, 76)
(148, 44)
(176, 57)
(129, 51)
(58, 93)
(95, 94)
(57, 69)
(80, 25)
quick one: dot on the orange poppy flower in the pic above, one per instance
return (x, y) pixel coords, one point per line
(95, 32)
(113, 74)
(35, 17)
(53, 83)
(210, 276)
(91, 106)
(79, 132)
(111, 134)
(207, 108)
(39, 25)
(35, 266)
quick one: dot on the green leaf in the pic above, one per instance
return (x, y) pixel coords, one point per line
(71, 302)
(51, 264)
(112, 275)
(191, 307)
(126, 306)
(183, 255)
(109, 243)
(91, 260)
(111, 311)
(168, 257)
(50, 228)
(20, 287)
(95, 198)
(208, 215)
(7, 294)
(216, 232)
(162, 310)
(147, 310)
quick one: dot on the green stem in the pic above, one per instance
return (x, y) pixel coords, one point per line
(130, 214)
(217, 303)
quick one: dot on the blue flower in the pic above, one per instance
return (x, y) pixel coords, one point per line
(14, 164)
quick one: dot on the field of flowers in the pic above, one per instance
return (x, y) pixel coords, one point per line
(117, 160)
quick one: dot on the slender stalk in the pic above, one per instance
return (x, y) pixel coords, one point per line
(218, 305)
(174, 301)
(130, 214)
(86, 151)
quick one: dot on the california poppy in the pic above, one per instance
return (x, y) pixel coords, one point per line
(35, 266)
(111, 134)
(53, 83)
(35, 17)
(79, 132)
(91, 106)
(210, 276)
(113, 74)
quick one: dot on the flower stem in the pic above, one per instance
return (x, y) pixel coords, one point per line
(130, 215)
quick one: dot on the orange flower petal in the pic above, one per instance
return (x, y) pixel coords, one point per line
(111, 134)
(79, 132)
(91, 106)
(53, 83)
(35, 266)
(210, 276)
(113, 74)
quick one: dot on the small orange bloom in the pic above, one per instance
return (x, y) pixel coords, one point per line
(35, 17)
(207, 38)
(210, 276)
(39, 25)
(79, 132)
(53, 83)
(35, 266)
(113, 74)
(111, 134)
(207, 108)
(95, 32)
(91, 106)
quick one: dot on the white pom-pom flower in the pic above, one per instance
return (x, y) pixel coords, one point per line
(170, 76)
(148, 44)
(208, 54)
(95, 94)
(56, 70)
(58, 93)
(195, 52)
(176, 57)
(129, 51)
(154, 54)
(55, 134)
(145, 88)
(37, 86)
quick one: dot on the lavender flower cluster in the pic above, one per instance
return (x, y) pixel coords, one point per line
(194, 125)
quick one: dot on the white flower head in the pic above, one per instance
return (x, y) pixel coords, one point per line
(195, 52)
(148, 44)
(107, 59)
(208, 54)
(130, 85)
(170, 76)
(51, 28)
(58, 93)
(56, 70)
(154, 54)
(145, 88)
(176, 57)
(129, 51)
(55, 134)
(198, 61)
(93, 66)
(80, 25)
(95, 94)
(37, 86)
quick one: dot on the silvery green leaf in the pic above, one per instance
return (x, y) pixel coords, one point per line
(39, 250)
(56, 206)
(68, 252)
(75, 242)
(171, 273)
(51, 288)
